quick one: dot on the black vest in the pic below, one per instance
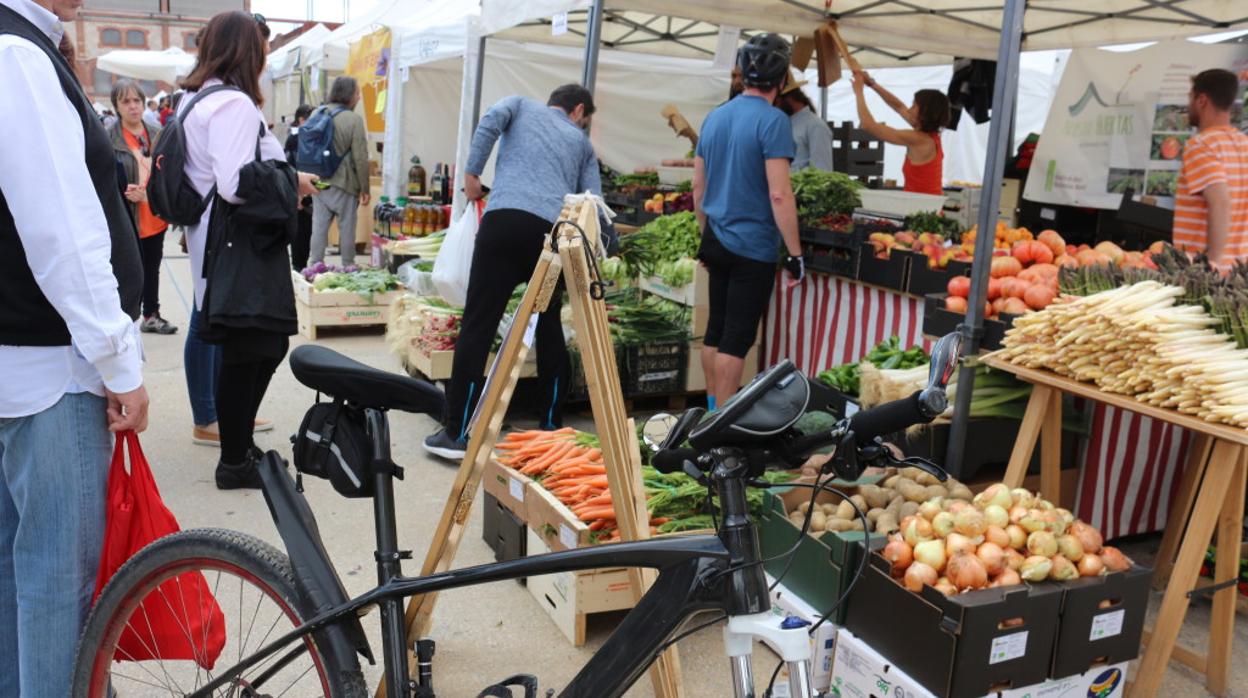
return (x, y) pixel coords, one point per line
(26, 316)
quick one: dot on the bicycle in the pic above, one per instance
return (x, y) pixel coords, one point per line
(320, 639)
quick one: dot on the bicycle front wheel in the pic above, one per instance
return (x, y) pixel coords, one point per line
(197, 601)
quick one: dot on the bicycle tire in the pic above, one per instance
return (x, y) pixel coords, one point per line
(268, 568)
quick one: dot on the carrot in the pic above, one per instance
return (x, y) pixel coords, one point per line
(597, 513)
(598, 525)
(588, 470)
(601, 499)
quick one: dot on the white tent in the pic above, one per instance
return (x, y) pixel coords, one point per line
(166, 66)
(286, 59)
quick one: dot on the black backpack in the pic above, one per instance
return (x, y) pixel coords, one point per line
(170, 193)
(315, 152)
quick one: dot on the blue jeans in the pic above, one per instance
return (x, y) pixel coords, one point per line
(203, 367)
(53, 479)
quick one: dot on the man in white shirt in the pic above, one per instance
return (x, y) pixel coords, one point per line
(70, 356)
(151, 115)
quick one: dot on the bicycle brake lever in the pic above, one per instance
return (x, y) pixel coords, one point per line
(926, 466)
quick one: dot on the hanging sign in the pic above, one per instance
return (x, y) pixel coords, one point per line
(559, 24)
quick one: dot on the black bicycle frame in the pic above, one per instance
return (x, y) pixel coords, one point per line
(692, 578)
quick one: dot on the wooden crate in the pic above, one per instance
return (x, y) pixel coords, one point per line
(317, 309)
(436, 366)
(510, 488)
(570, 597)
(695, 293)
(695, 378)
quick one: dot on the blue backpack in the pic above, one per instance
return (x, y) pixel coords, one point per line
(316, 144)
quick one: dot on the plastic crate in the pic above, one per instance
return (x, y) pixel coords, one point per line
(653, 369)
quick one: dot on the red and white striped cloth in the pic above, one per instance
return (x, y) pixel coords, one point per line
(827, 321)
(1130, 465)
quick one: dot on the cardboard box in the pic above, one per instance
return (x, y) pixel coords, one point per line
(502, 530)
(694, 293)
(695, 377)
(961, 646)
(859, 671)
(568, 597)
(822, 643)
(1089, 634)
(508, 487)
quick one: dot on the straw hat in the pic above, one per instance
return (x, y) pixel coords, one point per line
(796, 81)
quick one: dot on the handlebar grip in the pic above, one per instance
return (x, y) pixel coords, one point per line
(672, 460)
(888, 418)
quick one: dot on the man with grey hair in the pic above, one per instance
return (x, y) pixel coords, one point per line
(348, 187)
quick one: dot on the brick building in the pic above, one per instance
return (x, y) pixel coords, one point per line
(106, 25)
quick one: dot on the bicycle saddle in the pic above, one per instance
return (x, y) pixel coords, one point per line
(335, 375)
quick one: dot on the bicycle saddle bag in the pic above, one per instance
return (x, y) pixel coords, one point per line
(333, 443)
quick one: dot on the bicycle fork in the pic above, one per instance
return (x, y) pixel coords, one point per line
(792, 643)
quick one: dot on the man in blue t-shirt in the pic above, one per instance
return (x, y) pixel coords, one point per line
(744, 201)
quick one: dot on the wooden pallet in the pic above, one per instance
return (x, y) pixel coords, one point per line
(320, 309)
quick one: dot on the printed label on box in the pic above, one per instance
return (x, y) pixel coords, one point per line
(516, 489)
(1008, 647)
(1107, 624)
(567, 536)
(851, 409)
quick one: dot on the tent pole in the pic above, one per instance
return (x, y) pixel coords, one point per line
(593, 38)
(1000, 140)
(476, 87)
(823, 103)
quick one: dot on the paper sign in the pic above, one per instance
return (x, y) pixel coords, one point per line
(559, 24)
(567, 536)
(516, 489)
(1008, 647)
(1107, 624)
(380, 108)
(726, 47)
(405, 72)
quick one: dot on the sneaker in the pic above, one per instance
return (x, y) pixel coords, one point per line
(263, 425)
(441, 444)
(238, 477)
(156, 324)
(206, 436)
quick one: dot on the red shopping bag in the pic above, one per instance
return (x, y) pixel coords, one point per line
(136, 516)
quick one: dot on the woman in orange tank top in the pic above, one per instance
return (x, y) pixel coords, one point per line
(925, 158)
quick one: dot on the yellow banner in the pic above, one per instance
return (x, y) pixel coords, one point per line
(368, 61)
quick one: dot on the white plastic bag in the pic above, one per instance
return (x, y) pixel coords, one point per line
(454, 262)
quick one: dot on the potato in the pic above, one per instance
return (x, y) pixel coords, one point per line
(817, 521)
(912, 473)
(891, 481)
(887, 523)
(845, 510)
(912, 491)
(934, 491)
(874, 514)
(877, 497)
(828, 508)
(860, 502)
(797, 519)
(958, 490)
(856, 525)
(839, 525)
(927, 479)
(909, 509)
(895, 501)
(803, 507)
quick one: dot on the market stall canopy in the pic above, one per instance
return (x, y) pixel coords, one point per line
(893, 32)
(165, 66)
(285, 59)
(331, 53)
(438, 33)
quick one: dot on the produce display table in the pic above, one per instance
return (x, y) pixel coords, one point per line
(1211, 494)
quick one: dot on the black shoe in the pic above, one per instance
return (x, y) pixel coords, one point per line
(441, 444)
(240, 477)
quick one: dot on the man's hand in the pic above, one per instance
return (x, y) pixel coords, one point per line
(796, 267)
(127, 410)
(860, 81)
(136, 194)
(365, 197)
(472, 187)
(305, 184)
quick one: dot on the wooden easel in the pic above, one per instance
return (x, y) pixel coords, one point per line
(1211, 495)
(615, 430)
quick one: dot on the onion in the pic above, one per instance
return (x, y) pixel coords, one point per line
(1017, 513)
(1018, 536)
(970, 522)
(1088, 536)
(1033, 521)
(1114, 560)
(900, 554)
(905, 521)
(992, 556)
(918, 575)
(1070, 547)
(1091, 565)
(1022, 497)
(997, 534)
(942, 524)
(956, 505)
(1063, 569)
(1065, 515)
(931, 553)
(918, 530)
(1044, 504)
(931, 508)
(997, 494)
(996, 515)
(967, 572)
(1036, 568)
(1042, 543)
(1014, 559)
(945, 587)
(1007, 578)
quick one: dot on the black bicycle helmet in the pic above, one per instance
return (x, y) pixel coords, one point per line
(764, 60)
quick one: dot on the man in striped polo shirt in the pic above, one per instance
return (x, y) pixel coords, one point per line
(1211, 211)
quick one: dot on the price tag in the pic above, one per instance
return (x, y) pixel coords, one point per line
(516, 489)
(1107, 624)
(559, 24)
(567, 536)
(1008, 647)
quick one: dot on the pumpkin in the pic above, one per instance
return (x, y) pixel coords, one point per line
(1005, 266)
(1038, 297)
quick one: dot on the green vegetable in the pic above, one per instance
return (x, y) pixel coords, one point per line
(933, 222)
(677, 273)
(365, 282)
(638, 180)
(844, 378)
(821, 194)
(664, 239)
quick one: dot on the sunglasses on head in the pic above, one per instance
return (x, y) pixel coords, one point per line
(264, 23)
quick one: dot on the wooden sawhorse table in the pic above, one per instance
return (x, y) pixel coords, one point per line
(1211, 495)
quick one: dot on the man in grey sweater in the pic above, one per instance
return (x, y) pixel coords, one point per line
(811, 135)
(348, 187)
(543, 155)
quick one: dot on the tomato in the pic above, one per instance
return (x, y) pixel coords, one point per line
(959, 286)
(956, 304)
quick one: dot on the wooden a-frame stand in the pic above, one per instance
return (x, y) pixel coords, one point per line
(615, 430)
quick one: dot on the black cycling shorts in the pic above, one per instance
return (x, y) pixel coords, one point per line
(738, 283)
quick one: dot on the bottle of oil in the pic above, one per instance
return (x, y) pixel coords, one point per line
(394, 219)
(416, 178)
